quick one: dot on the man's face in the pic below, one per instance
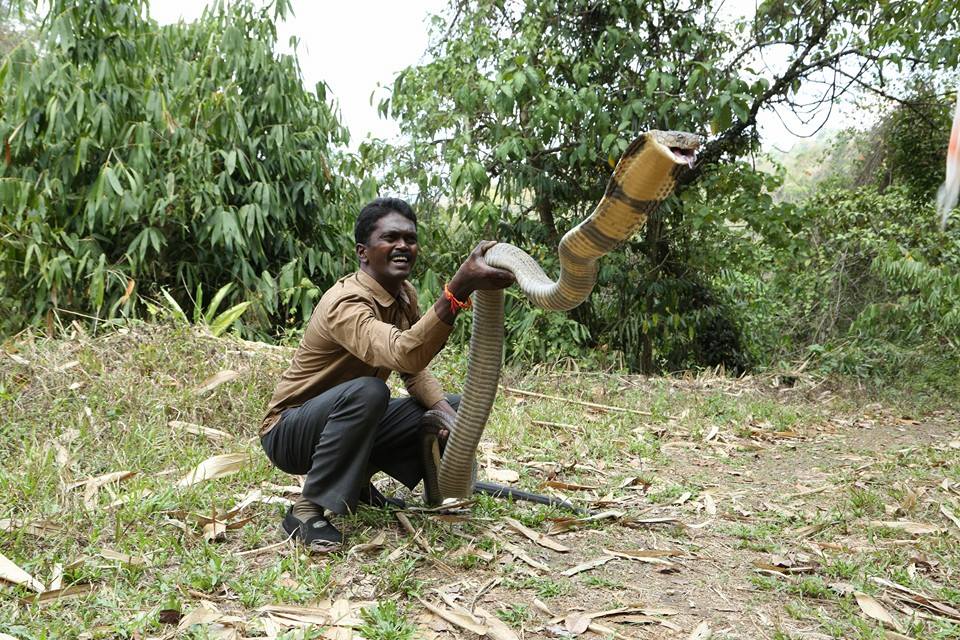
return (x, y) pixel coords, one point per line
(390, 251)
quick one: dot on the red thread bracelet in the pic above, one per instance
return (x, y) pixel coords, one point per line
(455, 305)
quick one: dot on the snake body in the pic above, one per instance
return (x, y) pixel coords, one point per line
(645, 175)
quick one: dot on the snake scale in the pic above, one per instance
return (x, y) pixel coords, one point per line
(644, 177)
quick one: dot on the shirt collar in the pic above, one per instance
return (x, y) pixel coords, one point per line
(381, 295)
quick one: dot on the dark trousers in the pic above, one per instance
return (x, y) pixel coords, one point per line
(340, 438)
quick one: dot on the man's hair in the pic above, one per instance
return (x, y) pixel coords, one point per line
(376, 209)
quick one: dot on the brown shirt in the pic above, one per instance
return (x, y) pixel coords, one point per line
(358, 329)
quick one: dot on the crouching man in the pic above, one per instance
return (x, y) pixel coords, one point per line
(331, 417)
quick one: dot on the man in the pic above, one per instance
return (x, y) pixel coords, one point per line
(331, 416)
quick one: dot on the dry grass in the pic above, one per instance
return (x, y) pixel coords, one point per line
(765, 506)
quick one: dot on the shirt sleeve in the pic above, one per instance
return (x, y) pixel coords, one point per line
(423, 387)
(352, 324)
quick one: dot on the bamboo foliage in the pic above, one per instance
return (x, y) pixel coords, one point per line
(182, 157)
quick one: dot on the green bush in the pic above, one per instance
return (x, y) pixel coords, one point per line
(184, 157)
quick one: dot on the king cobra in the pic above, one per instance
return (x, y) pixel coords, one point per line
(643, 178)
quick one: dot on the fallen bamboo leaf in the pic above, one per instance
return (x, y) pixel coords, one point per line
(576, 623)
(200, 430)
(215, 467)
(374, 545)
(766, 566)
(570, 486)
(683, 498)
(11, 572)
(915, 528)
(496, 629)
(587, 566)
(299, 616)
(559, 525)
(206, 613)
(99, 481)
(918, 599)
(56, 577)
(215, 531)
(216, 380)
(464, 621)
(519, 554)
(584, 403)
(873, 609)
(701, 632)
(650, 556)
(714, 430)
(950, 516)
(536, 537)
(134, 561)
(633, 522)
(70, 591)
(541, 605)
(417, 538)
(507, 476)
(38, 528)
(709, 504)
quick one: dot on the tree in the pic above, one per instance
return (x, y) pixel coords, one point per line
(523, 106)
(185, 157)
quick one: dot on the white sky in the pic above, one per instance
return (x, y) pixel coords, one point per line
(355, 44)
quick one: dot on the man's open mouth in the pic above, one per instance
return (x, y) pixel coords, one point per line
(403, 259)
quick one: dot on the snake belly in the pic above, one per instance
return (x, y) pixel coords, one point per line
(643, 178)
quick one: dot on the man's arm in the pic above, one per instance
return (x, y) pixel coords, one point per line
(474, 274)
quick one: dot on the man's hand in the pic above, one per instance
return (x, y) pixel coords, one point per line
(476, 274)
(446, 408)
(473, 275)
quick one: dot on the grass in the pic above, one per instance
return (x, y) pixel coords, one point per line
(80, 407)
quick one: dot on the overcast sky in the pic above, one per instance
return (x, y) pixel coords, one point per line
(356, 44)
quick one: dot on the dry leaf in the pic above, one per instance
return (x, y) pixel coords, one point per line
(215, 467)
(56, 577)
(374, 545)
(873, 609)
(462, 620)
(135, 561)
(11, 572)
(587, 566)
(714, 430)
(200, 430)
(576, 623)
(519, 554)
(92, 485)
(507, 476)
(496, 629)
(570, 486)
(206, 613)
(539, 538)
(299, 616)
(915, 528)
(709, 504)
(702, 632)
(67, 592)
(215, 531)
(651, 556)
(216, 380)
(949, 514)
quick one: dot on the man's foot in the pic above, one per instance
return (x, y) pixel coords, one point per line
(306, 523)
(372, 497)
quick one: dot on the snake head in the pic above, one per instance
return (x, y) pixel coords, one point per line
(682, 146)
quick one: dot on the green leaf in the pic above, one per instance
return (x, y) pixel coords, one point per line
(113, 180)
(172, 306)
(223, 321)
(215, 302)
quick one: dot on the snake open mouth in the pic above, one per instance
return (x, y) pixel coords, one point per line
(688, 156)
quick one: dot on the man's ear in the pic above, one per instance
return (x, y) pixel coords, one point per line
(362, 253)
